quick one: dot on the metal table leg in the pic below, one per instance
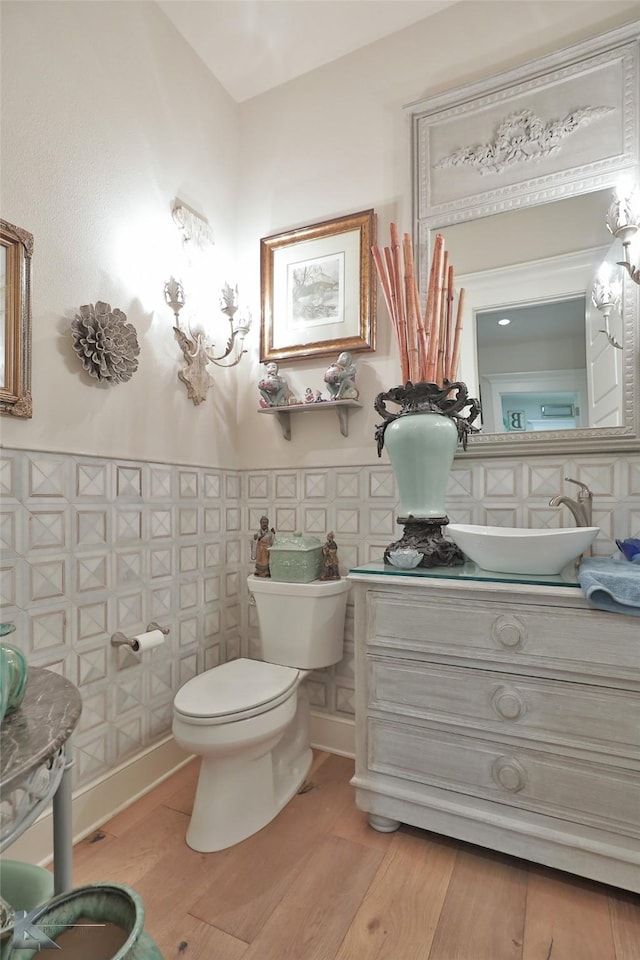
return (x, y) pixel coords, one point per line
(62, 829)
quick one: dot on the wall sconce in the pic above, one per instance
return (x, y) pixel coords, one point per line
(607, 296)
(623, 221)
(197, 349)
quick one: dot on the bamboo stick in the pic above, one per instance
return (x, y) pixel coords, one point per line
(412, 325)
(404, 361)
(456, 343)
(442, 319)
(383, 278)
(432, 310)
(448, 329)
(402, 315)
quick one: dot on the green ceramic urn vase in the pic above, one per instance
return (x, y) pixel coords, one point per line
(13, 673)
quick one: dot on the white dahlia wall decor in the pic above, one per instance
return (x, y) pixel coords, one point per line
(106, 344)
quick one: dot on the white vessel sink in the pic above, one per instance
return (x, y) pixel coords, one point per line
(520, 550)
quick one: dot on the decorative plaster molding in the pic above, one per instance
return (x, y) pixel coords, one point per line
(520, 138)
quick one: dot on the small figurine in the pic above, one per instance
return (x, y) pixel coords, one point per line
(274, 389)
(340, 378)
(308, 396)
(330, 565)
(263, 540)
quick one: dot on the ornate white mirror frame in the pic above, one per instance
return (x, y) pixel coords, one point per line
(560, 127)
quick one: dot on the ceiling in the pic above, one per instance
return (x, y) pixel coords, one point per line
(253, 45)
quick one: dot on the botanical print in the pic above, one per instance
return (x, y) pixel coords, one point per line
(315, 292)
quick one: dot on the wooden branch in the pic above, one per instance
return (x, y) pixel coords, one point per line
(412, 316)
(456, 343)
(432, 311)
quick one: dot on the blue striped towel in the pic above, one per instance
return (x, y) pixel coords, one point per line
(611, 585)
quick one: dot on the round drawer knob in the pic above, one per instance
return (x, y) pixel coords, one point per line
(508, 703)
(508, 631)
(509, 774)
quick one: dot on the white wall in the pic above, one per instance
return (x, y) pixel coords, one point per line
(106, 117)
(337, 141)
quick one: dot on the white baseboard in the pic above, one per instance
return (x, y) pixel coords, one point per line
(95, 803)
(333, 734)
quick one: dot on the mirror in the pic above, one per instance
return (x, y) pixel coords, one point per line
(16, 250)
(525, 227)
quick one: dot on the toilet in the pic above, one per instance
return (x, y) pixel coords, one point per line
(249, 719)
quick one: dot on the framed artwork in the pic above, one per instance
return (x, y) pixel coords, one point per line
(16, 251)
(318, 289)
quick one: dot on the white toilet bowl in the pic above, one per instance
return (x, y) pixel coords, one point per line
(248, 720)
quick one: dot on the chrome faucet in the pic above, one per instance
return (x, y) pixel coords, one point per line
(581, 507)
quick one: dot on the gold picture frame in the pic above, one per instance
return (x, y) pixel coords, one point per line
(318, 289)
(16, 252)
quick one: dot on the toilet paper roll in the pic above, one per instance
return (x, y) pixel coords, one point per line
(146, 641)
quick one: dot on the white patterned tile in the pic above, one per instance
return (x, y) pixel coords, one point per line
(160, 485)
(188, 558)
(47, 579)
(460, 483)
(345, 700)
(348, 557)
(128, 525)
(92, 480)
(48, 630)
(458, 514)
(258, 487)
(9, 473)
(160, 525)
(232, 551)
(286, 519)
(632, 486)
(160, 720)
(92, 666)
(161, 681)
(91, 527)
(128, 693)
(91, 620)
(94, 711)
(500, 517)
(212, 486)
(348, 484)
(127, 612)
(211, 624)
(188, 484)
(188, 595)
(47, 477)
(211, 589)
(91, 572)
(543, 479)
(232, 584)
(9, 583)
(500, 481)
(128, 482)
(47, 529)
(317, 693)
(381, 521)
(347, 520)
(187, 668)
(187, 521)
(129, 736)
(129, 568)
(188, 632)
(232, 647)
(316, 486)
(600, 476)
(212, 656)
(161, 562)
(9, 530)
(232, 519)
(91, 753)
(212, 554)
(232, 487)
(382, 483)
(286, 486)
(231, 616)
(315, 520)
(161, 603)
(212, 519)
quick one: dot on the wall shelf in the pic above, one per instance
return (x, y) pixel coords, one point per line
(341, 407)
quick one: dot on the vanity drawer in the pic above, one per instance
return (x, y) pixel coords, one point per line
(580, 642)
(593, 718)
(593, 794)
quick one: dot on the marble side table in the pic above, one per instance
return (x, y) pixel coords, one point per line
(35, 765)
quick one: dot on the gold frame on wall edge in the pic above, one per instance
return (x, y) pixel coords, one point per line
(318, 290)
(15, 384)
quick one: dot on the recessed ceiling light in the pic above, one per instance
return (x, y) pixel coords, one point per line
(504, 322)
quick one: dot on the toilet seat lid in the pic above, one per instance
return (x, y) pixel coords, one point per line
(237, 687)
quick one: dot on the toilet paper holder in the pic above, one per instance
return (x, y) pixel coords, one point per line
(119, 639)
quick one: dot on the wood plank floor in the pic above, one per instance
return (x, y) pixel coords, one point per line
(319, 884)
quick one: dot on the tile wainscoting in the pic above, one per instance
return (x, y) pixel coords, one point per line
(93, 546)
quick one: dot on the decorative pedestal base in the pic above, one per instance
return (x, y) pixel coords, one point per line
(426, 536)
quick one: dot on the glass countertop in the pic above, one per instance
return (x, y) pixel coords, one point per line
(568, 577)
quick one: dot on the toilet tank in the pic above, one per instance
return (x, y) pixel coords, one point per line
(301, 624)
